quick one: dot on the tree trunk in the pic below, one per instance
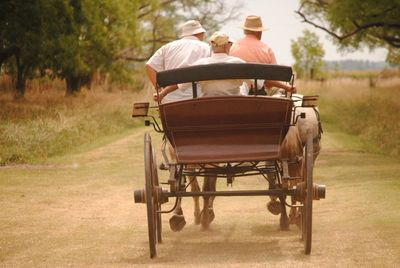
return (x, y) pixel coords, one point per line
(73, 85)
(21, 79)
(312, 73)
(8, 53)
(75, 82)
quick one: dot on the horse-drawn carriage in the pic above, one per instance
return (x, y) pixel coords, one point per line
(230, 137)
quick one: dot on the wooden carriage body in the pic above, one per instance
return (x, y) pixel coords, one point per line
(226, 128)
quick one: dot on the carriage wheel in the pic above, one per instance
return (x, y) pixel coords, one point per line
(306, 211)
(158, 204)
(151, 200)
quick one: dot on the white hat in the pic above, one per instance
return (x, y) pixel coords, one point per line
(192, 27)
(220, 39)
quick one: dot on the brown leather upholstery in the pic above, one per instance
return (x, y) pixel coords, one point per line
(226, 129)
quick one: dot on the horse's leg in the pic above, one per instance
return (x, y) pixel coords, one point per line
(207, 214)
(177, 221)
(213, 186)
(284, 220)
(195, 188)
(295, 170)
(273, 205)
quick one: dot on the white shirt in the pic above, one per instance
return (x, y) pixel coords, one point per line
(178, 54)
(220, 87)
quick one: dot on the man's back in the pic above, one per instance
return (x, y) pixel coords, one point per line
(178, 54)
(252, 50)
(220, 87)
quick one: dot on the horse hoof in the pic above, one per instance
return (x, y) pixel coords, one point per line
(284, 224)
(206, 219)
(197, 218)
(177, 222)
(295, 217)
(211, 215)
(274, 207)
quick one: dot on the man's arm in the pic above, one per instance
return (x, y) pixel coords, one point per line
(151, 74)
(287, 88)
(164, 92)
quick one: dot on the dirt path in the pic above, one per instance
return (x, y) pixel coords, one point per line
(79, 211)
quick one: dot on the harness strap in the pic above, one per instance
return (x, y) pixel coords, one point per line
(320, 130)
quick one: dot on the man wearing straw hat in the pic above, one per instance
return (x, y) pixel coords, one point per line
(177, 54)
(251, 49)
(220, 45)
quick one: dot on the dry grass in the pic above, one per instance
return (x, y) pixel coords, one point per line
(47, 124)
(353, 107)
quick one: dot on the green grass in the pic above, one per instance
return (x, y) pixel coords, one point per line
(46, 124)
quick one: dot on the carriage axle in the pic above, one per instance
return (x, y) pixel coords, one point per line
(298, 192)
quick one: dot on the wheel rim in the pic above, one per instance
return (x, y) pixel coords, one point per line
(150, 204)
(157, 203)
(308, 204)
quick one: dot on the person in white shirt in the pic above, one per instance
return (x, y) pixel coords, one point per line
(177, 54)
(220, 45)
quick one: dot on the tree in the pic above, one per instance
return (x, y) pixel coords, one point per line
(158, 23)
(354, 23)
(308, 53)
(21, 38)
(69, 39)
(73, 39)
(88, 37)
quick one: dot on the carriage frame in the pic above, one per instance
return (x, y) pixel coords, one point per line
(211, 139)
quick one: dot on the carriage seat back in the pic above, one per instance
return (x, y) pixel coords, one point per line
(226, 129)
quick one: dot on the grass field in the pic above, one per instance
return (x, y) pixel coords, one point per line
(351, 106)
(47, 124)
(78, 211)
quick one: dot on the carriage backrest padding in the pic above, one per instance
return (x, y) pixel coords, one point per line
(226, 129)
(218, 71)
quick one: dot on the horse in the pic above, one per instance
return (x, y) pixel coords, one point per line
(293, 149)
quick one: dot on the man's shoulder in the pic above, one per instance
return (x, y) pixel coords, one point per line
(189, 41)
(234, 59)
(202, 61)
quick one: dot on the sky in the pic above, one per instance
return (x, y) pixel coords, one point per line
(284, 25)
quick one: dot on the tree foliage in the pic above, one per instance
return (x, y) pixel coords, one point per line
(159, 21)
(73, 39)
(353, 23)
(308, 53)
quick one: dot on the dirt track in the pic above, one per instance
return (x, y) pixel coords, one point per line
(79, 211)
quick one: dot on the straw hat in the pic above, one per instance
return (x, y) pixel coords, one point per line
(220, 39)
(253, 23)
(191, 27)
